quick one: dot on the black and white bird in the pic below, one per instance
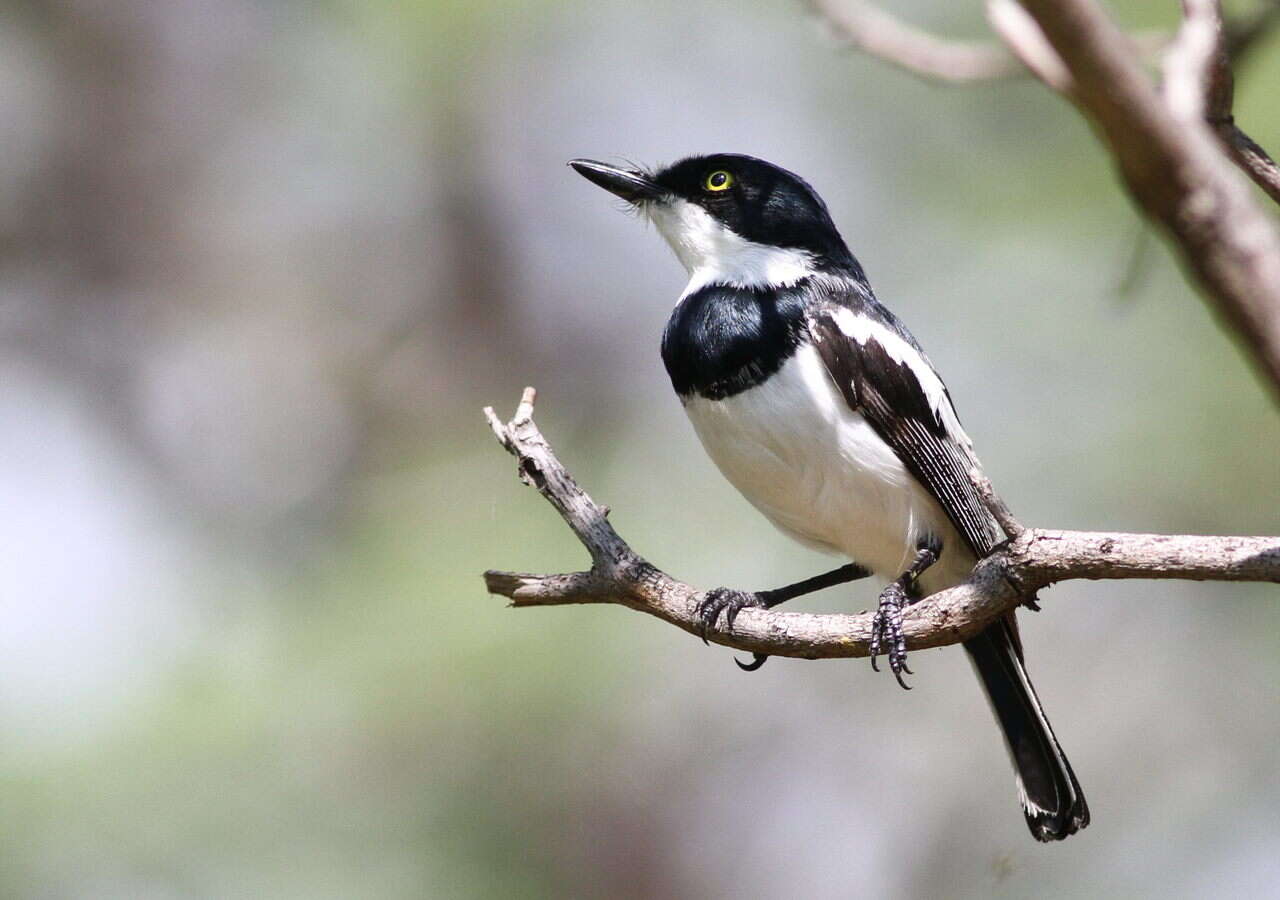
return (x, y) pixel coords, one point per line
(820, 407)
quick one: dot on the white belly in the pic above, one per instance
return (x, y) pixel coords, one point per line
(821, 474)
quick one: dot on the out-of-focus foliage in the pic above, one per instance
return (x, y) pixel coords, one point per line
(261, 264)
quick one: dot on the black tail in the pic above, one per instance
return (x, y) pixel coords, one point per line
(1051, 797)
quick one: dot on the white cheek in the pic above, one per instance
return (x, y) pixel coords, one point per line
(714, 254)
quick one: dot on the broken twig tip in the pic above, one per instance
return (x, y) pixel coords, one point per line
(524, 412)
(499, 430)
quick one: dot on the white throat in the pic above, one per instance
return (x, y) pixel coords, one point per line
(714, 254)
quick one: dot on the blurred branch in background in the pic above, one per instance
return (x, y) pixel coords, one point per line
(871, 30)
(1174, 147)
(1032, 559)
(1172, 161)
(866, 27)
(1242, 33)
(1224, 46)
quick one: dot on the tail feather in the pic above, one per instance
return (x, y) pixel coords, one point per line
(1051, 797)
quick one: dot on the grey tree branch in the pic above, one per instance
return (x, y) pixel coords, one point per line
(875, 32)
(1225, 49)
(1250, 157)
(1034, 559)
(1196, 64)
(1024, 37)
(1173, 161)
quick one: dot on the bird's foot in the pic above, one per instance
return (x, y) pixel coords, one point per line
(886, 631)
(730, 602)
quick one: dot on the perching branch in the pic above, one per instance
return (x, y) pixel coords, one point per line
(1034, 559)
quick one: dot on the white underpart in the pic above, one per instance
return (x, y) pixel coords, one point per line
(819, 472)
(715, 254)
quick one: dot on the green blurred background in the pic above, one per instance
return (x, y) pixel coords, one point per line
(261, 264)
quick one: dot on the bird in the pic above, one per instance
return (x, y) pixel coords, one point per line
(820, 407)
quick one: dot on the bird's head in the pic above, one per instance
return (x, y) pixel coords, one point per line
(732, 219)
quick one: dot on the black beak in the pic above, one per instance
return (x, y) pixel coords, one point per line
(633, 187)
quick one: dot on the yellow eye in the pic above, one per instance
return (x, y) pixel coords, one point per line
(719, 180)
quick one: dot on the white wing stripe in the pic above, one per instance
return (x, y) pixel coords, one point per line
(864, 328)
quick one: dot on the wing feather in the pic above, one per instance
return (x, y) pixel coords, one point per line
(914, 418)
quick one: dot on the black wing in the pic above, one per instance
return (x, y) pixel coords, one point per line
(925, 436)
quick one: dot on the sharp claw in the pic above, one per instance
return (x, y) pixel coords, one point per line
(886, 629)
(898, 663)
(731, 603)
(707, 613)
(730, 615)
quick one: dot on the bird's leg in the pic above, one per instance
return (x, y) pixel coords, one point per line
(732, 602)
(886, 627)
